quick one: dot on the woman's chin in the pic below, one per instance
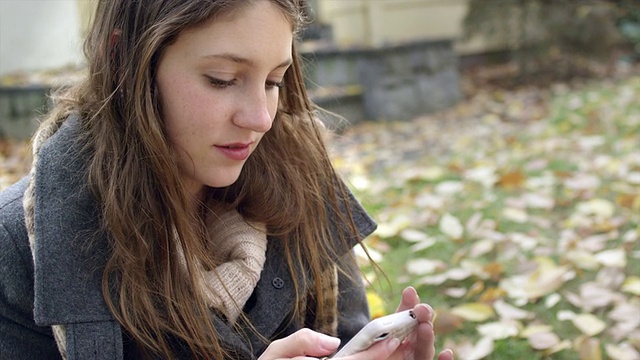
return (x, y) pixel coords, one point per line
(223, 181)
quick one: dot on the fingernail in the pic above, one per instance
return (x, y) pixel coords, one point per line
(432, 313)
(393, 344)
(329, 343)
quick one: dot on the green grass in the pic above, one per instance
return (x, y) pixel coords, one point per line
(602, 114)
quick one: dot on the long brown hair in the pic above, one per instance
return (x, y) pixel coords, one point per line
(288, 183)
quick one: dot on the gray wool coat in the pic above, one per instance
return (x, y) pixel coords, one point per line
(58, 282)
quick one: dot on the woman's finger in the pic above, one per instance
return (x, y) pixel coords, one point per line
(304, 342)
(424, 346)
(380, 351)
(446, 355)
(409, 299)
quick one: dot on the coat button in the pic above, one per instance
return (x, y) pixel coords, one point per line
(277, 283)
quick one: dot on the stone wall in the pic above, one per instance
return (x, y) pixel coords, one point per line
(20, 107)
(394, 82)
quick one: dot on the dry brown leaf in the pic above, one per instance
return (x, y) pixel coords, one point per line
(512, 180)
(588, 348)
(446, 322)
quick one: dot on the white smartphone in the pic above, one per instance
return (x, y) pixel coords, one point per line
(397, 325)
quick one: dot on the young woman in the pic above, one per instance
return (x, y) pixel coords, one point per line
(182, 204)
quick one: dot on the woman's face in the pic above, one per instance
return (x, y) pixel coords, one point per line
(218, 87)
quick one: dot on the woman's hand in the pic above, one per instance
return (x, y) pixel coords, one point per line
(420, 345)
(303, 344)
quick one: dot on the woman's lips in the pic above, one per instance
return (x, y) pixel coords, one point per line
(238, 152)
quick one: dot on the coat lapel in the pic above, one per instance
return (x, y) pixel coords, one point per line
(272, 302)
(68, 254)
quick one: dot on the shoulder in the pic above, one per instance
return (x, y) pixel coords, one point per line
(16, 264)
(351, 209)
(14, 243)
(12, 212)
(20, 336)
(361, 218)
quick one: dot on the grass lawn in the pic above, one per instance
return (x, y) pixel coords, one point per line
(516, 215)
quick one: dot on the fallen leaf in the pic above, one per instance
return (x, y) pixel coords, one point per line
(589, 324)
(451, 226)
(446, 322)
(588, 348)
(631, 285)
(482, 349)
(546, 279)
(612, 258)
(507, 311)
(425, 266)
(516, 215)
(500, 330)
(376, 305)
(413, 235)
(597, 207)
(543, 340)
(511, 180)
(595, 296)
(476, 312)
(621, 352)
(482, 247)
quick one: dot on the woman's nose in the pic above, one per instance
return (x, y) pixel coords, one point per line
(256, 112)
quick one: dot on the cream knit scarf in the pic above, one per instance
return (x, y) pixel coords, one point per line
(240, 249)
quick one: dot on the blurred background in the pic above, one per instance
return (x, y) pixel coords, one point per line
(496, 143)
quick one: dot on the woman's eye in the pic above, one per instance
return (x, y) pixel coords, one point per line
(275, 84)
(219, 83)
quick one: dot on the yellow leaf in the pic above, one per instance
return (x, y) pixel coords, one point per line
(562, 345)
(477, 312)
(588, 348)
(475, 289)
(583, 259)
(632, 285)
(534, 329)
(494, 270)
(627, 200)
(516, 215)
(598, 207)
(376, 305)
(589, 324)
(491, 294)
(546, 279)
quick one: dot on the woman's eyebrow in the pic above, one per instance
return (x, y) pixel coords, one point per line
(244, 61)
